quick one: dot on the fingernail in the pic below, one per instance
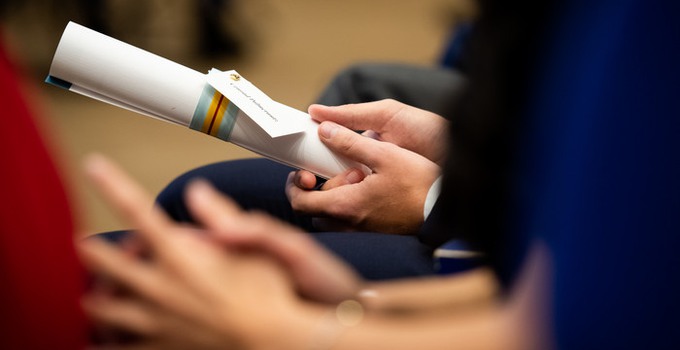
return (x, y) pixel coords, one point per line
(93, 163)
(316, 105)
(297, 179)
(328, 129)
(199, 190)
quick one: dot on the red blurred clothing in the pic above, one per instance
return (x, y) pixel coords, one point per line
(41, 279)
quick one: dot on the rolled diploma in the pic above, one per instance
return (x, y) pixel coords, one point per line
(98, 66)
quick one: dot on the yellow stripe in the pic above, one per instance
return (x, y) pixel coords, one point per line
(211, 112)
(220, 115)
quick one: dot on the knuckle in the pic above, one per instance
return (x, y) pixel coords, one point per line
(347, 142)
(381, 152)
(390, 102)
(293, 193)
(393, 105)
(300, 202)
(296, 205)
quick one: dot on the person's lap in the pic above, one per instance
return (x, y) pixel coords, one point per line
(259, 184)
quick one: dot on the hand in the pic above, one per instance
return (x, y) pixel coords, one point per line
(191, 292)
(414, 129)
(318, 275)
(389, 200)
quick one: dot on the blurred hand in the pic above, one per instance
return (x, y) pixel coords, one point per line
(318, 275)
(389, 200)
(193, 293)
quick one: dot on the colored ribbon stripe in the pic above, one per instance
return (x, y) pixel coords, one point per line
(213, 118)
(215, 115)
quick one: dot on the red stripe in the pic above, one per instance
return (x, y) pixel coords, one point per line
(212, 122)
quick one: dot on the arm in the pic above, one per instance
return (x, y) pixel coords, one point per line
(194, 293)
(471, 290)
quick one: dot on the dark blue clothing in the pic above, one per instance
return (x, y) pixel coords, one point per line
(260, 184)
(599, 179)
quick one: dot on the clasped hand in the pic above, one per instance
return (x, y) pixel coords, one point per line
(236, 283)
(401, 145)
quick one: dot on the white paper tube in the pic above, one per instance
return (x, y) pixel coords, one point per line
(301, 150)
(98, 66)
(98, 63)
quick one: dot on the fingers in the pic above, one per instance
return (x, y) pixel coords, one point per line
(352, 145)
(133, 246)
(109, 261)
(129, 199)
(408, 127)
(362, 116)
(135, 206)
(213, 209)
(154, 228)
(220, 214)
(348, 177)
(307, 181)
(316, 273)
(303, 179)
(316, 203)
(128, 314)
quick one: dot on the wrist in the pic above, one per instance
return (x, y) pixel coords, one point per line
(288, 328)
(312, 327)
(333, 324)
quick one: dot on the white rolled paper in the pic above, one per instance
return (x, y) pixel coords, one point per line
(100, 67)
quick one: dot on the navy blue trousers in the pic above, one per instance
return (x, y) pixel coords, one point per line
(260, 184)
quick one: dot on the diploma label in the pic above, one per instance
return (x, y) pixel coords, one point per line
(215, 115)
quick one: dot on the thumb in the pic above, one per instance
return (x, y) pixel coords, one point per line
(350, 144)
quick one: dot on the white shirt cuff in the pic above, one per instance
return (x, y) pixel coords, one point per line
(432, 196)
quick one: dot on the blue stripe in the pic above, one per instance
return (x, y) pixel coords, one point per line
(228, 122)
(202, 108)
(201, 112)
(58, 82)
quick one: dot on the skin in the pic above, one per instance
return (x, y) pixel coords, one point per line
(403, 167)
(173, 298)
(235, 283)
(394, 122)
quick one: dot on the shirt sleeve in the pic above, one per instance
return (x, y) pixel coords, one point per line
(432, 196)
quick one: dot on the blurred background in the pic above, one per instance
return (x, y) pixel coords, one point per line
(289, 48)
